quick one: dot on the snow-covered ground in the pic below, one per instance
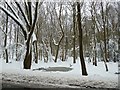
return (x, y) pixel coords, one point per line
(97, 76)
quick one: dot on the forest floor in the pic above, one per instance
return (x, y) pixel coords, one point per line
(59, 75)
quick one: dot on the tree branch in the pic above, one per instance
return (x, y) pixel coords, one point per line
(15, 19)
(11, 9)
(23, 14)
(30, 12)
(34, 22)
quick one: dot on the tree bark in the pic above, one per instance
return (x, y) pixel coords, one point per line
(27, 30)
(62, 36)
(6, 52)
(119, 36)
(107, 31)
(16, 32)
(94, 34)
(35, 50)
(28, 57)
(83, 66)
(74, 14)
(104, 29)
(66, 47)
(57, 49)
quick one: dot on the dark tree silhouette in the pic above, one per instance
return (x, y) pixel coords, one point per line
(83, 66)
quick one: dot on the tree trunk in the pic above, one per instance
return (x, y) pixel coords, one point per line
(17, 31)
(28, 57)
(83, 66)
(36, 55)
(66, 47)
(51, 44)
(94, 34)
(57, 50)
(97, 27)
(27, 28)
(119, 34)
(74, 54)
(35, 50)
(63, 53)
(95, 53)
(62, 36)
(95, 63)
(107, 31)
(6, 53)
(104, 28)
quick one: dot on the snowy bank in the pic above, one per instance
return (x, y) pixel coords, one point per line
(97, 76)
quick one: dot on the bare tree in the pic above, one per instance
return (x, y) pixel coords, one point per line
(104, 29)
(62, 33)
(119, 30)
(27, 28)
(83, 66)
(93, 26)
(5, 43)
(74, 35)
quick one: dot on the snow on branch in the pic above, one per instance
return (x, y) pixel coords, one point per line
(34, 37)
(13, 11)
(55, 43)
(24, 15)
(17, 20)
(9, 13)
(15, 14)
